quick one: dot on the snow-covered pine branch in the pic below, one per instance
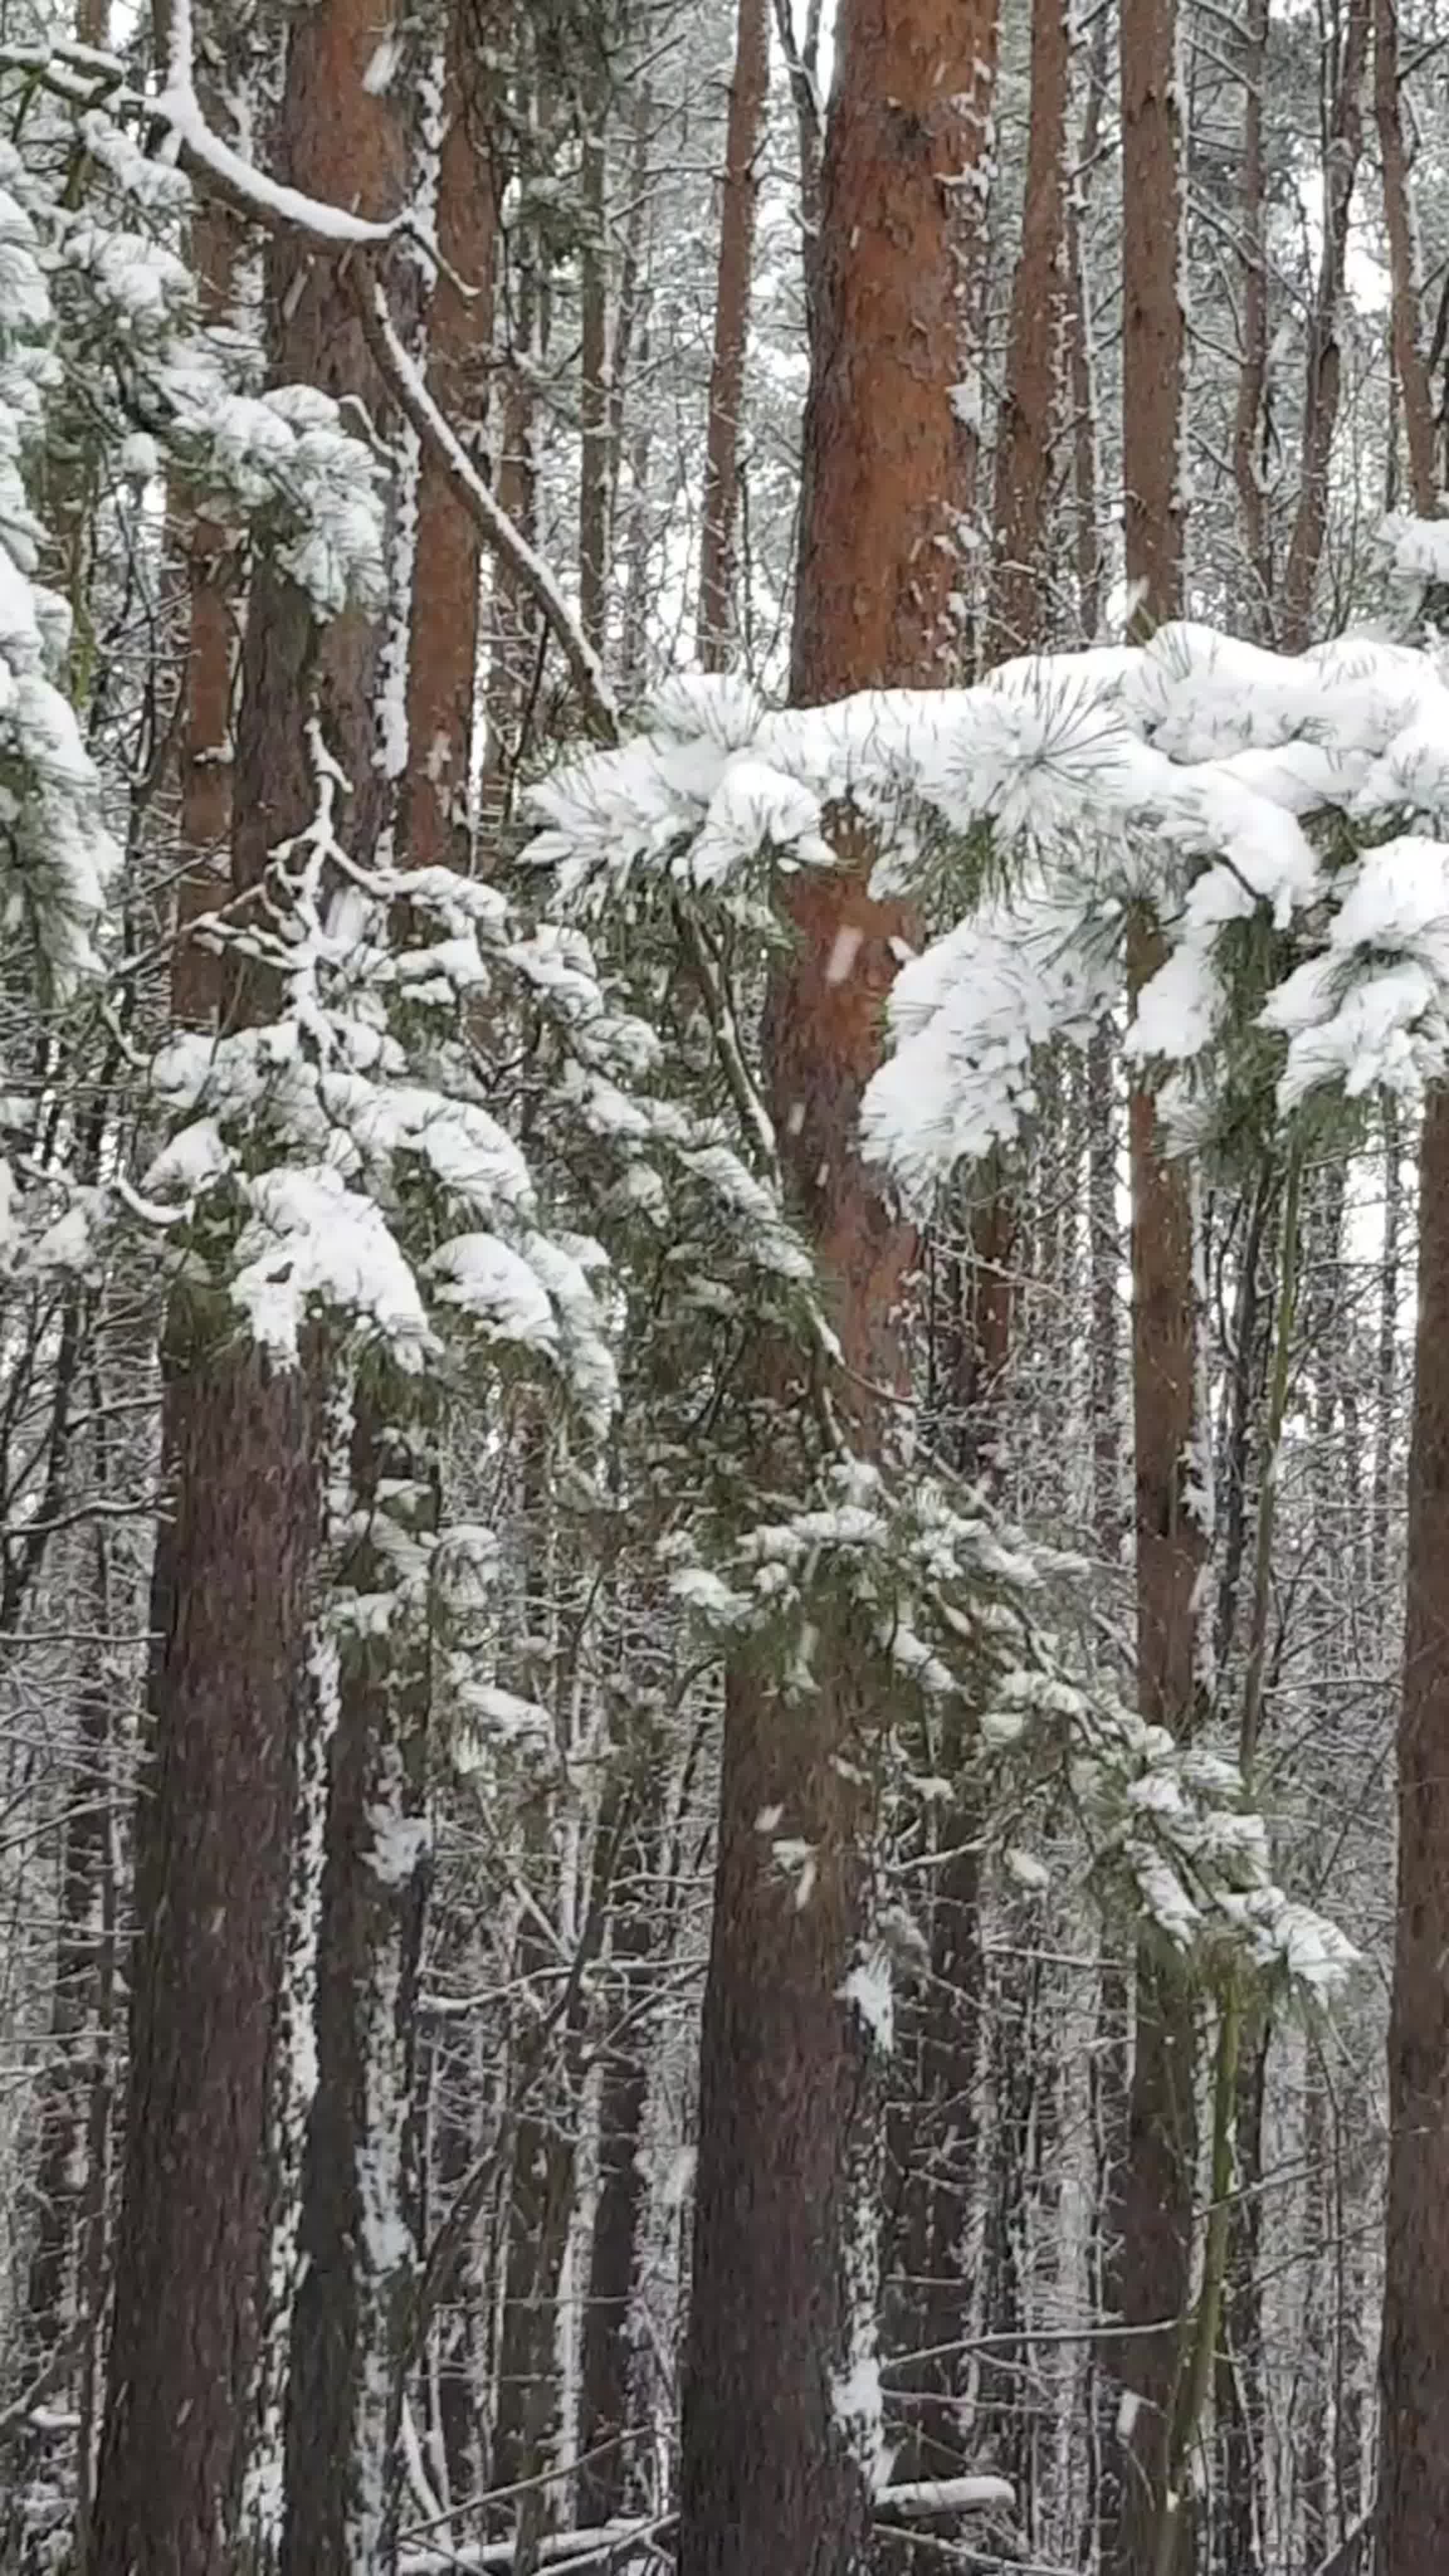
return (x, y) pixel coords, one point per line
(1186, 775)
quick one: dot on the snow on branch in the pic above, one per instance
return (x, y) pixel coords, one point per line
(917, 2500)
(244, 186)
(1190, 775)
(406, 384)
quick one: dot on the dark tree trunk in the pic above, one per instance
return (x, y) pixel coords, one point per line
(608, 2481)
(243, 1445)
(230, 1609)
(1414, 2366)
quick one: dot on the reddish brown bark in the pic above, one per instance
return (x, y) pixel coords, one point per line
(769, 2476)
(1153, 323)
(749, 90)
(1018, 616)
(884, 432)
(1323, 376)
(1410, 365)
(1414, 2365)
(447, 564)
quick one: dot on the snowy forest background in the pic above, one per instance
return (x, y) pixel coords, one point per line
(724, 1234)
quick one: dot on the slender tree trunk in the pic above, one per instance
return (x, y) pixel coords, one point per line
(777, 2465)
(1253, 367)
(1081, 351)
(749, 92)
(1153, 2224)
(443, 661)
(1406, 268)
(1343, 146)
(1151, 2228)
(1019, 614)
(609, 2479)
(514, 666)
(1386, 1368)
(802, 64)
(1414, 2363)
(1154, 326)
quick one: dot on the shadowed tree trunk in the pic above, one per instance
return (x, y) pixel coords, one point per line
(774, 2466)
(1414, 2364)
(230, 1608)
(1150, 2227)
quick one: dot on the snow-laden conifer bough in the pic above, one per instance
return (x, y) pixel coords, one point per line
(1255, 804)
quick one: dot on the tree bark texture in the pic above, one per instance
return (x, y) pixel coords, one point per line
(1154, 328)
(773, 2471)
(230, 1607)
(1414, 2363)
(1150, 2229)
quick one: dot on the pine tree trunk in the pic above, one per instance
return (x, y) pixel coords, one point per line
(1414, 2364)
(1154, 326)
(1150, 2229)
(775, 2469)
(1152, 2225)
(1019, 614)
(749, 91)
(447, 565)
(231, 1604)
